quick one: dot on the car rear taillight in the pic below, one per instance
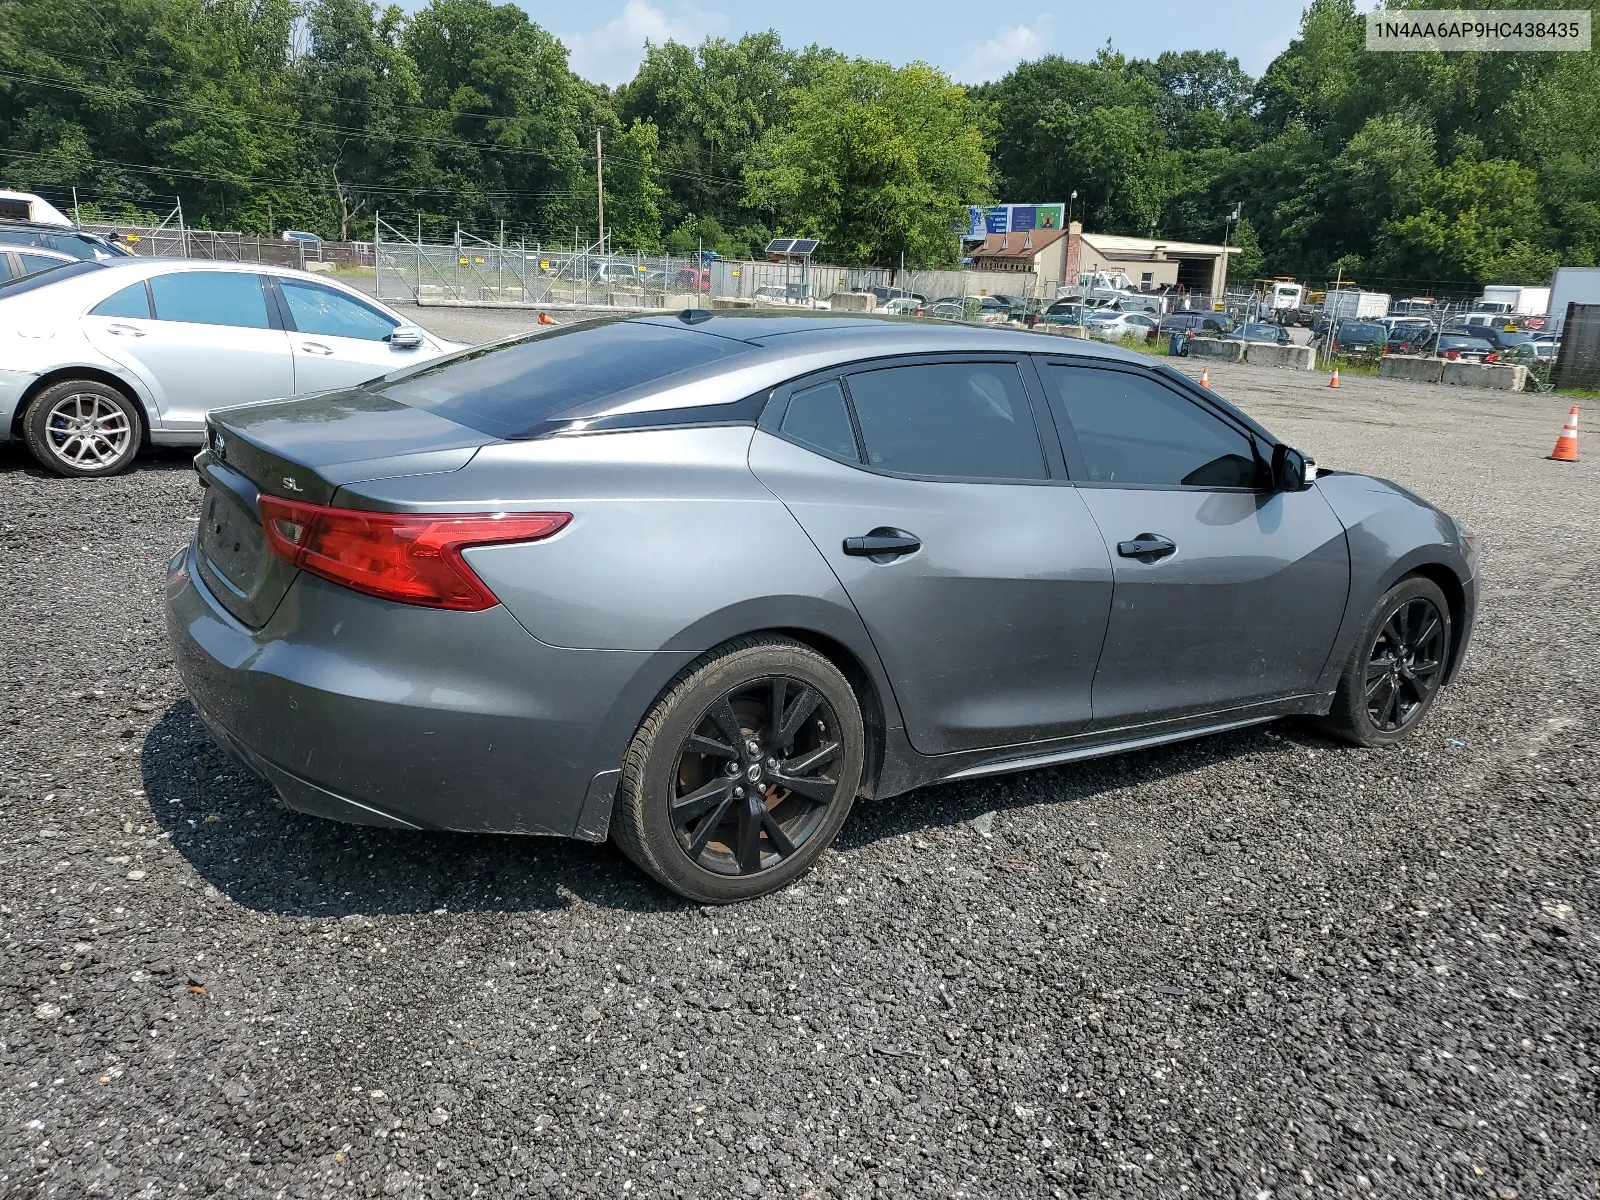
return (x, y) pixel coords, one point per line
(1491, 358)
(414, 558)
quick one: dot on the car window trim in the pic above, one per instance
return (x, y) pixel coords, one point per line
(1074, 451)
(771, 420)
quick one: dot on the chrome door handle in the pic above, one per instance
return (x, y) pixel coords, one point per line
(1147, 547)
(124, 331)
(315, 348)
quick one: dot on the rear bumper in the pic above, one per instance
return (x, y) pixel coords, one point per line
(376, 713)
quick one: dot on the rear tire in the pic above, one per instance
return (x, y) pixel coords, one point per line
(743, 773)
(83, 429)
(1394, 672)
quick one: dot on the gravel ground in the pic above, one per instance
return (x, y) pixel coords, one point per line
(1259, 965)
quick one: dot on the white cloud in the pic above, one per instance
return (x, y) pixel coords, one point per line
(611, 53)
(1003, 51)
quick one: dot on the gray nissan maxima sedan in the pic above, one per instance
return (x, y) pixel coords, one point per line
(698, 582)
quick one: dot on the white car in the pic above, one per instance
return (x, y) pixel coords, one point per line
(100, 358)
(1114, 326)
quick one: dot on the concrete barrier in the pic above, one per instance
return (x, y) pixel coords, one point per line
(1295, 358)
(1216, 348)
(852, 302)
(1411, 368)
(732, 302)
(1498, 377)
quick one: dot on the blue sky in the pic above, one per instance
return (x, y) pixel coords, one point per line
(972, 42)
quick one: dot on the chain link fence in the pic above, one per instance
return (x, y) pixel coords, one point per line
(165, 241)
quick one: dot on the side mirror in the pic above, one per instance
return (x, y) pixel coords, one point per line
(1292, 471)
(406, 337)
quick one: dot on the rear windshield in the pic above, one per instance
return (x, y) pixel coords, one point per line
(1350, 331)
(511, 390)
(1447, 342)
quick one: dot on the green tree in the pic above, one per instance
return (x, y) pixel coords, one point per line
(1471, 217)
(361, 89)
(877, 162)
(712, 105)
(504, 118)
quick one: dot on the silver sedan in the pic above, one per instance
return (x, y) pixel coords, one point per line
(100, 358)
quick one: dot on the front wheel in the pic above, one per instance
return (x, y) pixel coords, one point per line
(82, 428)
(743, 773)
(1394, 672)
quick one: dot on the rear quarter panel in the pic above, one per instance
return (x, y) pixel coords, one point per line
(674, 544)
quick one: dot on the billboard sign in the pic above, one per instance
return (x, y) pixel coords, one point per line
(1011, 218)
(971, 229)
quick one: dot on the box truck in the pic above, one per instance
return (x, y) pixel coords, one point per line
(1514, 298)
(1347, 304)
(1573, 285)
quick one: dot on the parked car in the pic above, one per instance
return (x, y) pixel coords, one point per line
(300, 235)
(1532, 352)
(903, 306)
(1114, 326)
(1302, 317)
(1408, 339)
(79, 243)
(1261, 331)
(99, 358)
(1195, 321)
(16, 262)
(1359, 337)
(402, 607)
(1501, 339)
(1066, 312)
(885, 294)
(1015, 306)
(1458, 346)
(989, 310)
(691, 279)
(947, 310)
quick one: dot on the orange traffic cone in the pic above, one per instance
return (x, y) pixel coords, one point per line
(546, 319)
(1567, 444)
(1205, 377)
(1334, 382)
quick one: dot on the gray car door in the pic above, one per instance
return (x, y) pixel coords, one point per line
(978, 571)
(1227, 593)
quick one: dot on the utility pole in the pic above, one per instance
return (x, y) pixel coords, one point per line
(1227, 224)
(600, 186)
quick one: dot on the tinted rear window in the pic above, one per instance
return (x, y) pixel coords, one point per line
(1350, 331)
(511, 390)
(27, 283)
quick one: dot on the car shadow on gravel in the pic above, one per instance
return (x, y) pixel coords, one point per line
(241, 840)
(954, 803)
(15, 460)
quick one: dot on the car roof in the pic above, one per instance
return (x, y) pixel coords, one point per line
(786, 346)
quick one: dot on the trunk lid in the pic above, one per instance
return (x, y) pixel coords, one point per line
(303, 449)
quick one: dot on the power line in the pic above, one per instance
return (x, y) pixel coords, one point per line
(243, 181)
(117, 91)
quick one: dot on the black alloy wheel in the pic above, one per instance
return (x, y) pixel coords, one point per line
(1393, 673)
(1405, 664)
(755, 777)
(743, 772)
